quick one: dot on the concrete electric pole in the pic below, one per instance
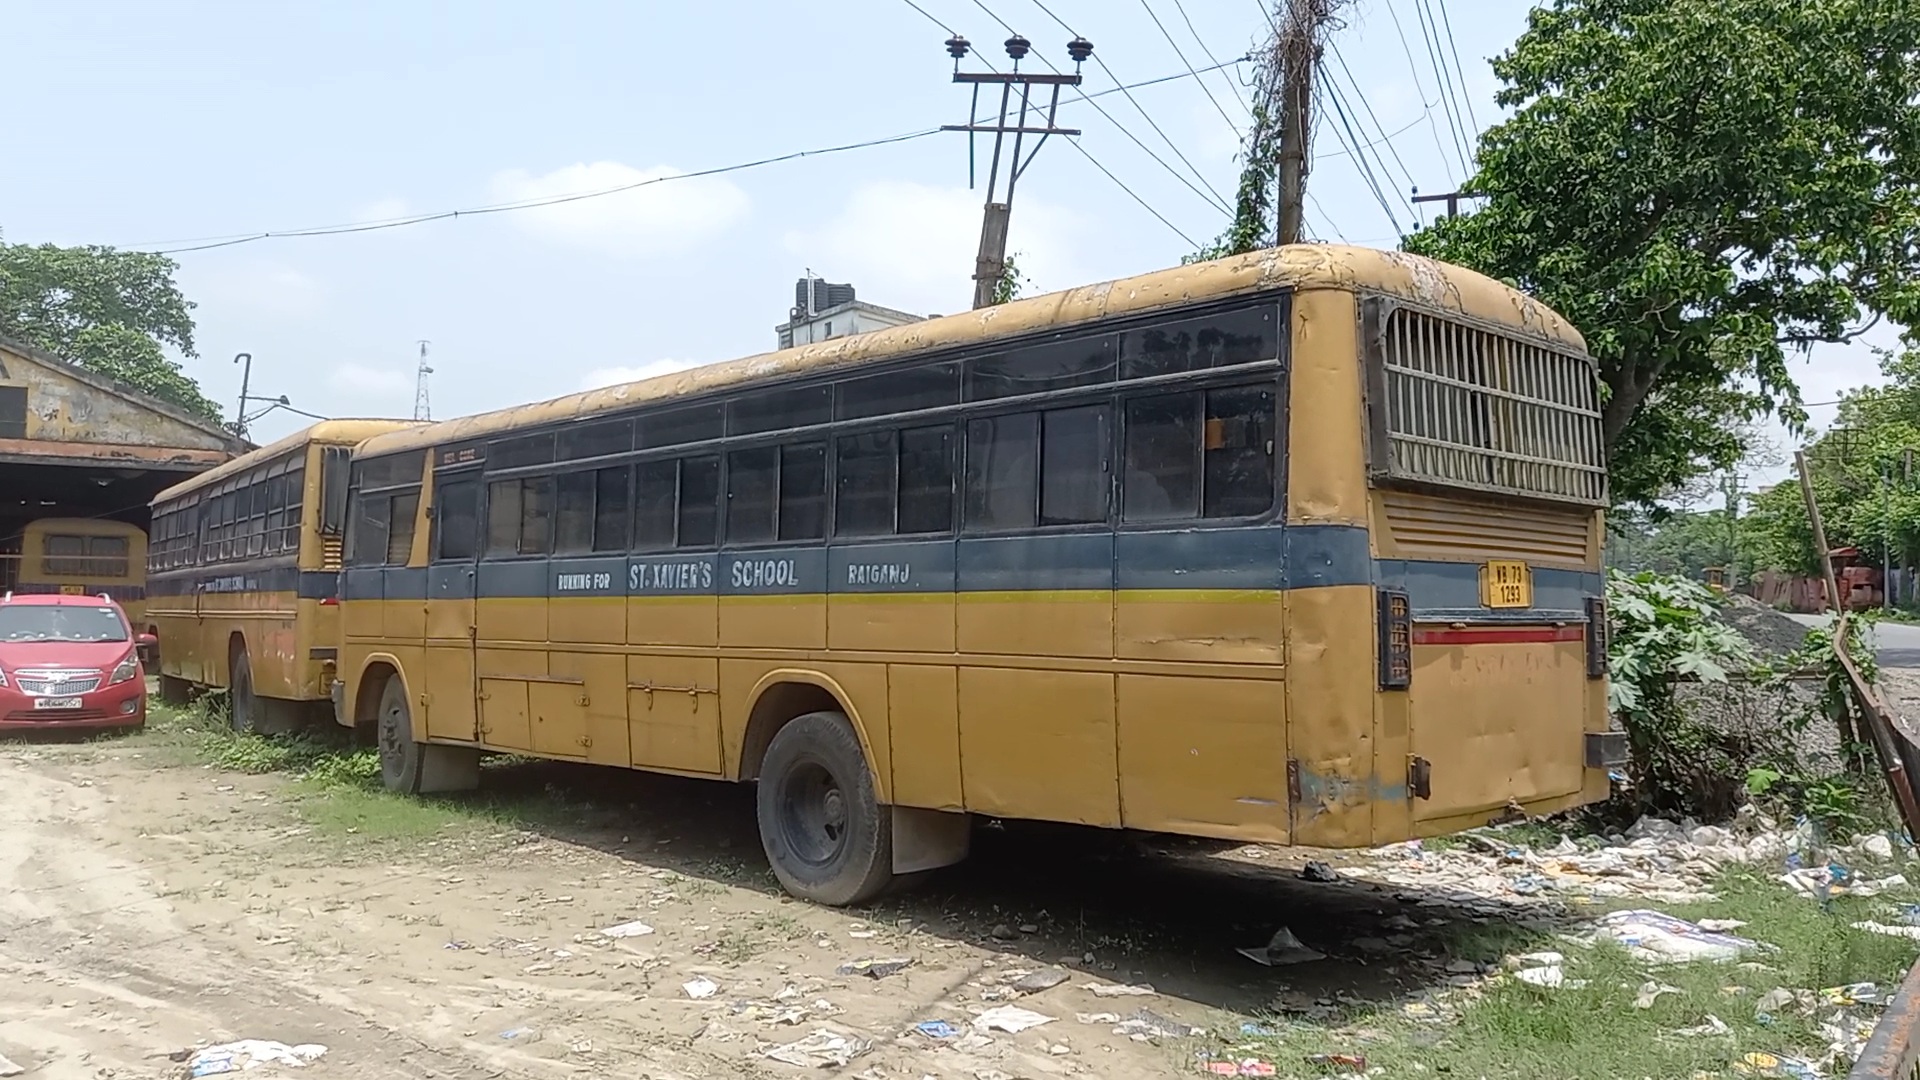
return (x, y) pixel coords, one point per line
(991, 263)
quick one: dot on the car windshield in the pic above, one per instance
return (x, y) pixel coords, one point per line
(60, 622)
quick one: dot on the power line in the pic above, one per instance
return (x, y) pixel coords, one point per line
(929, 16)
(206, 243)
(1214, 197)
(1459, 69)
(1075, 143)
(1429, 36)
(1413, 68)
(1378, 126)
(1366, 170)
(1204, 88)
(1231, 86)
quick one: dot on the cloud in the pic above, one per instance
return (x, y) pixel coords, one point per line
(382, 210)
(912, 246)
(656, 219)
(615, 376)
(264, 287)
(360, 379)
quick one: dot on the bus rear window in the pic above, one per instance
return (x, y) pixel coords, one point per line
(85, 556)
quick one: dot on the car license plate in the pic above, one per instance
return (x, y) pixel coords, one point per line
(56, 703)
(73, 590)
(1506, 583)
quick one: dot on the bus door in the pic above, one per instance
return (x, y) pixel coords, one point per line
(451, 624)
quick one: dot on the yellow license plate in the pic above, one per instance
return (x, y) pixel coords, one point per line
(1506, 583)
(73, 590)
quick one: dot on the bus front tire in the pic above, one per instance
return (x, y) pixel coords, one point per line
(416, 768)
(826, 835)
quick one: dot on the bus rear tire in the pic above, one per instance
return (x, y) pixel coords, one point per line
(826, 835)
(243, 707)
(416, 768)
(175, 690)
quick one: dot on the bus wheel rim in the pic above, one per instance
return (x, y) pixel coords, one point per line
(814, 814)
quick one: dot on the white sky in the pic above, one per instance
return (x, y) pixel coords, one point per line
(176, 120)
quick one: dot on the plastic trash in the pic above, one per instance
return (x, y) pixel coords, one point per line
(1776, 1065)
(251, 1054)
(1720, 926)
(824, 1049)
(1243, 1067)
(8, 1068)
(1097, 1018)
(1113, 990)
(1864, 993)
(1658, 938)
(1253, 1029)
(1713, 1026)
(936, 1029)
(1011, 1019)
(1150, 1023)
(627, 930)
(1281, 950)
(1912, 932)
(875, 969)
(1650, 992)
(700, 988)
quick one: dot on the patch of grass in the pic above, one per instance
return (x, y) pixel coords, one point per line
(742, 942)
(1522, 1032)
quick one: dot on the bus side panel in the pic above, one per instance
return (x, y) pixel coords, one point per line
(1330, 689)
(1040, 744)
(1204, 756)
(895, 597)
(1036, 595)
(773, 599)
(603, 686)
(923, 714)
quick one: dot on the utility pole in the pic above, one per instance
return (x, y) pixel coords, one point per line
(1451, 198)
(1297, 46)
(991, 263)
(1732, 490)
(421, 410)
(246, 380)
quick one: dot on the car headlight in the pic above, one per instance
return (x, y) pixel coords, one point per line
(3, 676)
(127, 669)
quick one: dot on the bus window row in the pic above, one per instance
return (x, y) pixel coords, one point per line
(246, 517)
(1200, 454)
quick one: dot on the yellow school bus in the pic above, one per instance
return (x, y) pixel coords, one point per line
(242, 573)
(1301, 546)
(82, 556)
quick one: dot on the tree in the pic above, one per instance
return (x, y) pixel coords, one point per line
(109, 311)
(1012, 282)
(1702, 187)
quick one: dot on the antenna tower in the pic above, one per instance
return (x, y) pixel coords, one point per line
(421, 410)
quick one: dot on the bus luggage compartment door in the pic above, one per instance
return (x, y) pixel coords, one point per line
(1498, 713)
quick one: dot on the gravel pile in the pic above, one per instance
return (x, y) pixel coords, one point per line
(1771, 632)
(1744, 706)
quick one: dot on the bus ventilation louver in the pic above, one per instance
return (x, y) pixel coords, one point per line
(1596, 637)
(1396, 640)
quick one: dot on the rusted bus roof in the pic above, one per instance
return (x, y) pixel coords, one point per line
(1419, 280)
(332, 432)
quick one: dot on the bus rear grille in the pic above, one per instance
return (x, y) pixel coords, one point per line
(1466, 407)
(329, 553)
(1424, 527)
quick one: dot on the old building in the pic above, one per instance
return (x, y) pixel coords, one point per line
(823, 310)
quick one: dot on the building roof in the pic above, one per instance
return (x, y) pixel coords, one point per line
(1301, 266)
(893, 314)
(349, 432)
(108, 385)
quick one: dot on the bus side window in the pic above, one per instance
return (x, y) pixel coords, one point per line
(699, 502)
(520, 516)
(752, 490)
(1002, 466)
(926, 481)
(803, 491)
(1207, 454)
(368, 543)
(656, 488)
(456, 521)
(865, 484)
(1240, 451)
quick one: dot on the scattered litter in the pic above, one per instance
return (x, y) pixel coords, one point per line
(700, 988)
(456, 945)
(821, 1050)
(1714, 1026)
(1535, 960)
(1152, 1024)
(1350, 1062)
(1891, 931)
(516, 1033)
(8, 1068)
(875, 969)
(251, 1054)
(1864, 993)
(1776, 1065)
(1011, 1019)
(1044, 979)
(1720, 926)
(860, 935)
(1113, 990)
(1097, 1018)
(627, 930)
(1243, 1067)
(936, 1029)
(1252, 1029)
(1317, 871)
(1909, 914)
(1878, 846)
(1650, 992)
(1657, 938)
(1549, 978)
(1778, 1000)
(1282, 950)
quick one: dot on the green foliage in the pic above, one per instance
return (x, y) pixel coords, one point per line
(1702, 186)
(1012, 282)
(110, 311)
(1257, 197)
(1682, 543)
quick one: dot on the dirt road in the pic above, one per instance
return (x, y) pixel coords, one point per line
(148, 906)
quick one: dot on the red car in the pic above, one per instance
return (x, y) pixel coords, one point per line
(69, 662)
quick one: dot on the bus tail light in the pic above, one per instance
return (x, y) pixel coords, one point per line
(1396, 640)
(329, 601)
(1596, 637)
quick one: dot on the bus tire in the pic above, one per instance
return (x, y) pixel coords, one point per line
(175, 690)
(826, 835)
(243, 706)
(416, 768)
